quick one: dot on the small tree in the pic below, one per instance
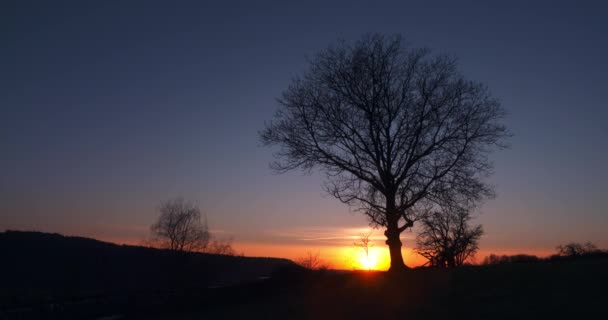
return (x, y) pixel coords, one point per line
(446, 239)
(364, 243)
(574, 249)
(181, 228)
(312, 261)
(221, 247)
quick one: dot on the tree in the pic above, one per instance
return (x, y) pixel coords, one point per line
(446, 239)
(574, 249)
(312, 261)
(180, 228)
(221, 247)
(364, 243)
(397, 131)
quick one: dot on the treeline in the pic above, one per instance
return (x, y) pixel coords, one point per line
(569, 251)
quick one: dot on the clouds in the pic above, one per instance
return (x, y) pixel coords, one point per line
(316, 236)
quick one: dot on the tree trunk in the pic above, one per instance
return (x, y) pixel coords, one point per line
(394, 247)
(392, 235)
(451, 261)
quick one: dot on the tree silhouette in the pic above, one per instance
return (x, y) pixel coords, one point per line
(312, 261)
(364, 243)
(446, 239)
(397, 131)
(574, 249)
(181, 228)
(221, 247)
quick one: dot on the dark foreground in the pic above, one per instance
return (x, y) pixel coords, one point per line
(529, 291)
(46, 276)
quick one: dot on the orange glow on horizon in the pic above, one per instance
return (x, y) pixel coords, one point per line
(347, 257)
(338, 257)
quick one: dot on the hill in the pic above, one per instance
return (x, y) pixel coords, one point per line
(47, 269)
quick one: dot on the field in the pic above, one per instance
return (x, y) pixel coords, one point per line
(539, 290)
(45, 276)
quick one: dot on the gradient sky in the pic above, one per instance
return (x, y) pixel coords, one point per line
(107, 109)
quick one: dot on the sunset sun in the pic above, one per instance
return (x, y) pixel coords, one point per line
(368, 263)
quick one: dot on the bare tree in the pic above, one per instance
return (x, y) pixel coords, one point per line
(312, 261)
(218, 246)
(364, 243)
(396, 130)
(446, 239)
(181, 228)
(574, 249)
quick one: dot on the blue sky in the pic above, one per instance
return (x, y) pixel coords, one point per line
(109, 108)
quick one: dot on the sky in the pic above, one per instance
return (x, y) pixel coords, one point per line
(109, 108)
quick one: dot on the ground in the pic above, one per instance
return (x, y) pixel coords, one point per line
(44, 276)
(536, 290)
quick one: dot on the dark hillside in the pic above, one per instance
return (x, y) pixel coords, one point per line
(40, 267)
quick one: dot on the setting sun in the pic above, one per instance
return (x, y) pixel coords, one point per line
(376, 259)
(367, 262)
